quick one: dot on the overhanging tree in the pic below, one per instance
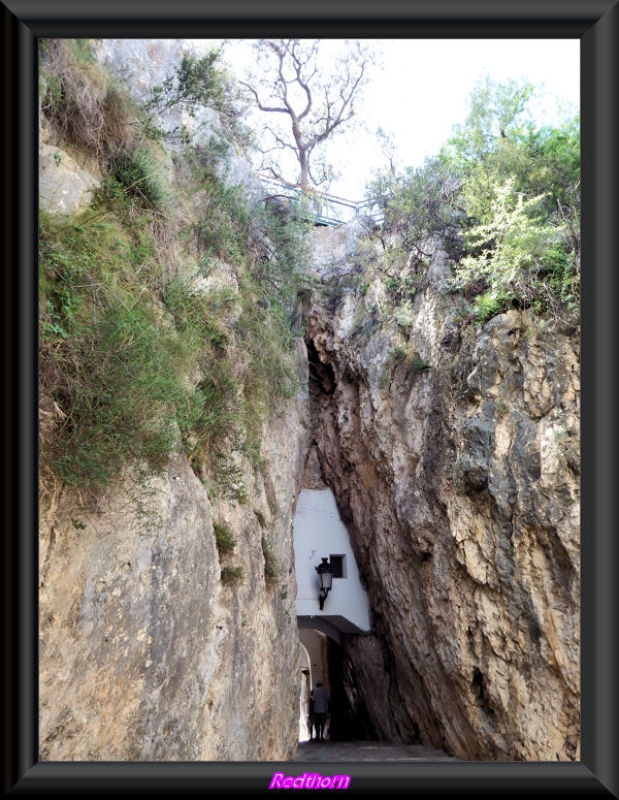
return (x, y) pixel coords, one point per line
(489, 147)
(314, 97)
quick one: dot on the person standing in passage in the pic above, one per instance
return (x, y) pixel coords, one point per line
(320, 697)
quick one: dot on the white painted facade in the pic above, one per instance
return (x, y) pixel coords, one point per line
(318, 533)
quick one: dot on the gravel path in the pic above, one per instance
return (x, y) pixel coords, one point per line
(367, 751)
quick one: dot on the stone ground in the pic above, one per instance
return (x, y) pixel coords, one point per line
(367, 751)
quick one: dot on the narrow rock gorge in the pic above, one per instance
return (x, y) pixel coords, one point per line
(456, 467)
(452, 450)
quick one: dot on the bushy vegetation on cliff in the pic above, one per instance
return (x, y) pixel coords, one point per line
(503, 198)
(165, 308)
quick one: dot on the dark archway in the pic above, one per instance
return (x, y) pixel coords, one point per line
(349, 718)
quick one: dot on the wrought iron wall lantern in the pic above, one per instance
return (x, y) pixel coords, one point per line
(325, 577)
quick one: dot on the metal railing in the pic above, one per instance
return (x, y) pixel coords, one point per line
(324, 209)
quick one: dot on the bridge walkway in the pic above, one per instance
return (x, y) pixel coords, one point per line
(324, 209)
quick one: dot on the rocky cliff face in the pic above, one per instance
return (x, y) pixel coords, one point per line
(155, 644)
(143, 64)
(145, 653)
(454, 459)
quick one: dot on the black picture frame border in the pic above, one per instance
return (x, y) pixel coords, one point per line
(596, 24)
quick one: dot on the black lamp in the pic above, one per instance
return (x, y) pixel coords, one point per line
(325, 576)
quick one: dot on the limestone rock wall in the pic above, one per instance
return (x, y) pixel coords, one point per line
(142, 64)
(145, 654)
(454, 457)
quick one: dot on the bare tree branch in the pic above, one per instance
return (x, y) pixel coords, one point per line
(318, 99)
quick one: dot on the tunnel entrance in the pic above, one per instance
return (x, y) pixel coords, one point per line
(324, 659)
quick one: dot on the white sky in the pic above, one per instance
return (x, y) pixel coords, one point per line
(423, 88)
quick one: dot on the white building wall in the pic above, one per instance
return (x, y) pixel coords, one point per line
(318, 533)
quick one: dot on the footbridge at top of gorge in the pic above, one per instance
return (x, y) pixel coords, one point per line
(322, 208)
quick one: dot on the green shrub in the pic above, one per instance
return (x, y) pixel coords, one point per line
(403, 286)
(230, 479)
(222, 229)
(502, 199)
(272, 569)
(121, 387)
(488, 305)
(513, 254)
(116, 375)
(232, 575)
(202, 82)
(138, 177)
(281, 254)
(267, 338)
(417, 204)
(224, 538)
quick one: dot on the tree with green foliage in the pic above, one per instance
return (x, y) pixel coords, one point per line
(196, 81)
(555, 171)
(416, 204)
(499, 141)
(520, 190)
(504, 198)
(489, 148)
